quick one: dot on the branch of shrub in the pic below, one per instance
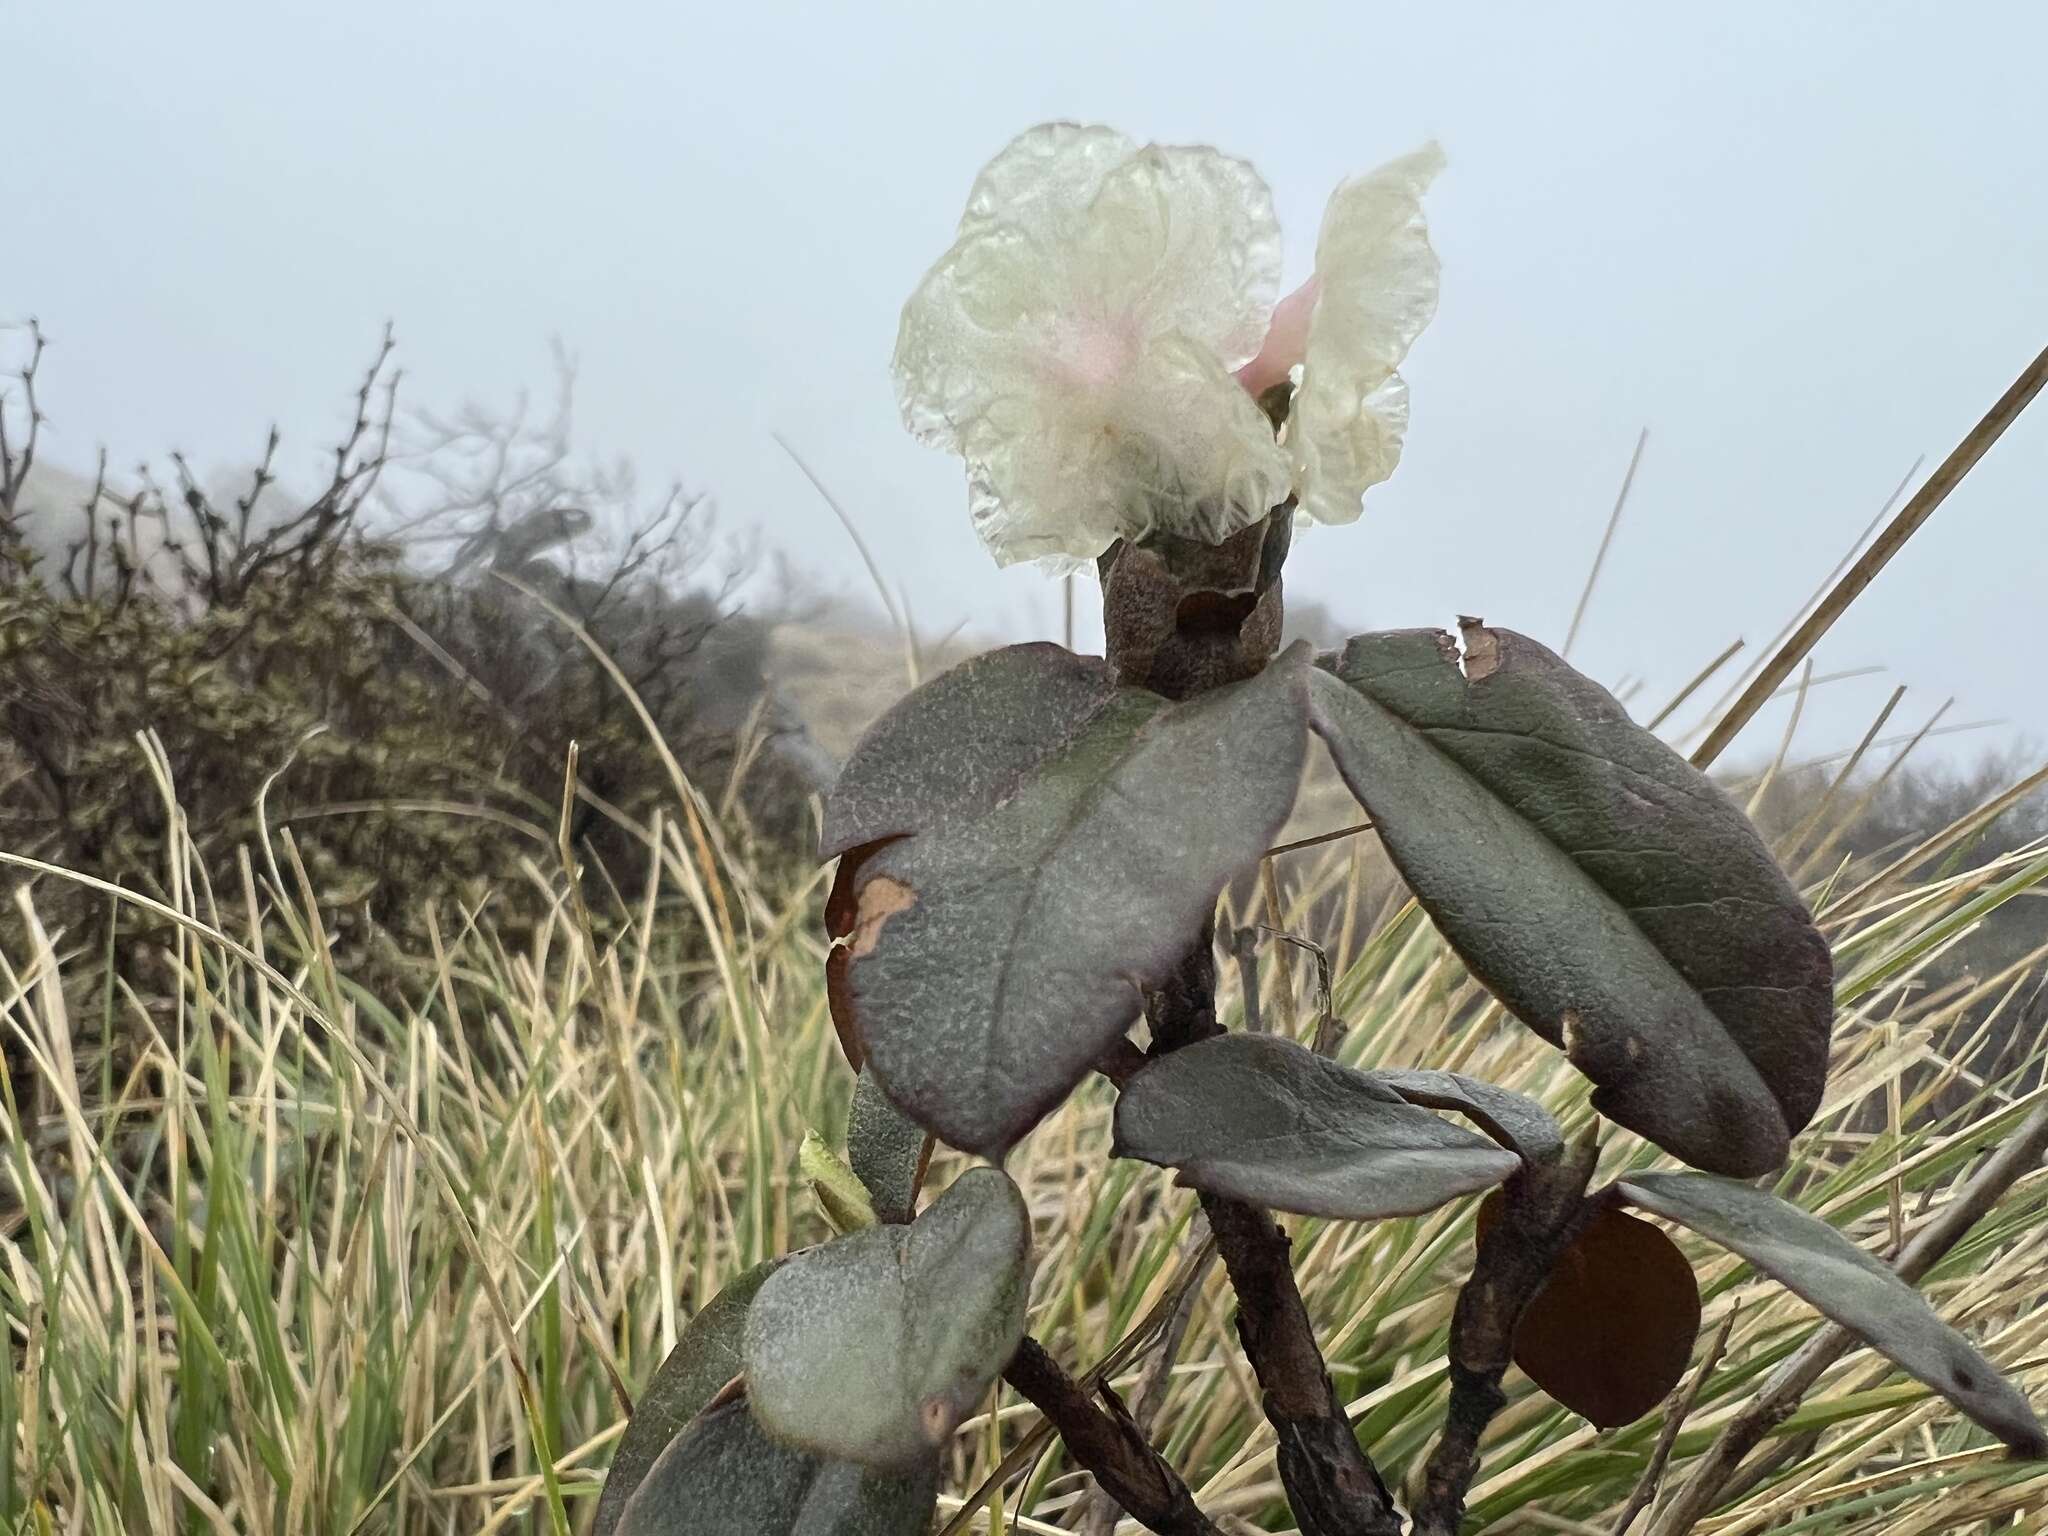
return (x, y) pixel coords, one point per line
(1332, 1485)
(1544, 1207)
(1098, 1512)
(1104, 1438)
(18, 458)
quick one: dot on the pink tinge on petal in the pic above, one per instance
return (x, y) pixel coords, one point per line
(1286, 340)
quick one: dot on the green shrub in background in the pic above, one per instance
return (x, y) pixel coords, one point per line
(275, 664)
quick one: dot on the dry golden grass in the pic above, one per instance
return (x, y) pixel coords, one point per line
(284, 1256)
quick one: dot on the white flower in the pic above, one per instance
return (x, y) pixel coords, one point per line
(1076, 345)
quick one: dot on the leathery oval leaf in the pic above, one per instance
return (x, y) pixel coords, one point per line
(888, 1151)
(1610, 895)
(1815, 1262)
(964, 741)
(1612, 1330)
(1260, 1118)
(704, 1359)
(872, 1348)
(723, 1476)
(996, 949)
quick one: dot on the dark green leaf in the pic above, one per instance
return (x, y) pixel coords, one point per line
(725, 1477)
(1263, 1119)
(1598, 884)
(1610, 1333)
(963, 742)
(872, 1348)
(704, 1359)
(1514, 1120)
(1814, 1261)
(888, 1151)
(1069, 840)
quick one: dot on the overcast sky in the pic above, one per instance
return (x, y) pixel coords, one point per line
(1802, 245)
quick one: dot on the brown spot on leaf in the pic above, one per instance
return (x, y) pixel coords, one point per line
(936, 1418)
(880, 899)
(1482, 648)
(841, 907)
(842, 910)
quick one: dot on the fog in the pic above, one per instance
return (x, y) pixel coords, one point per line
(1803, 248)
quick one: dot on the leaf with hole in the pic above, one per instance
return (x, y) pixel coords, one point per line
(1605, 890)
(1613, 1328)
(1040, 844)
(1262, 1119)
(724, 1476)
(1814, 1261)
(872, 1348)
(704, 1359)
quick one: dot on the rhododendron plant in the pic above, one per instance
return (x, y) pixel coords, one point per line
(1031, 849)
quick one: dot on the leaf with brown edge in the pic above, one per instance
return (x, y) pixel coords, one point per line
(842, 914)
(1058, 842)
(1606, 891)
(1611, 1332)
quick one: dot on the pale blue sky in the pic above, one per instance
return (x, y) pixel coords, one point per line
(1802, 244)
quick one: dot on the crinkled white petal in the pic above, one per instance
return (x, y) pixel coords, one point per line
(1379, 287)
(1184, 238)
(1045, 178)
(1075, 344)
(1178, 444)
(970, 332)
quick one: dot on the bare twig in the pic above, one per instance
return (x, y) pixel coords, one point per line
(1329, 1030)
(1033, 1440)
(18, 458)
(1676, 1413)
(1098, 1513)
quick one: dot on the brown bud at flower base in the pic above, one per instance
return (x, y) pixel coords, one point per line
(1181, 616)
